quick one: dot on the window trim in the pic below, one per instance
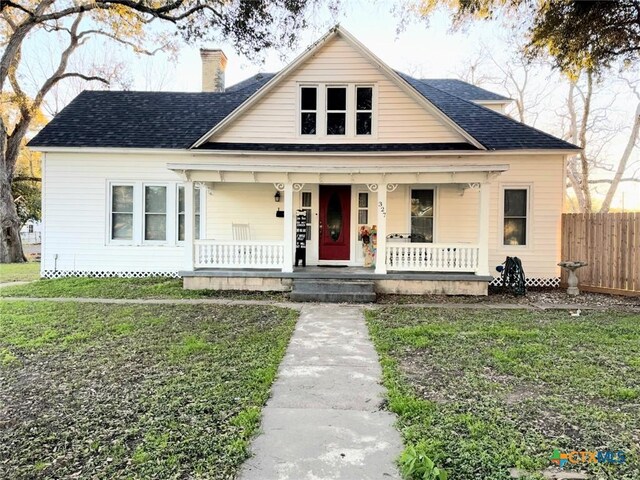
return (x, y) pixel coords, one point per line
(436, 203)
(359, 208)
(177, 206)
(309, 224)
(356, 111)
(170, 214)
(321, 112)
(529, 211)
(301, 111)
(201, 229)
(346, 88)
(109, 213)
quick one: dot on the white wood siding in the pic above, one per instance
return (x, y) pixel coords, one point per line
(251, 204)
(457, 215)
(76, 216)
(399, 118)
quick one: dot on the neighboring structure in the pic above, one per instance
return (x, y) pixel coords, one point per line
(31, 232)
(141, 183)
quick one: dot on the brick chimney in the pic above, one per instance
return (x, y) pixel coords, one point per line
(214, 63)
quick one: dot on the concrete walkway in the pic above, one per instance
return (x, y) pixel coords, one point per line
(324, 419)
(13, 284)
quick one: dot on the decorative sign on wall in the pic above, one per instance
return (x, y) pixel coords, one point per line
(301, 237)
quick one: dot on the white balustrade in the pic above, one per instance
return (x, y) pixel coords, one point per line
(238, 254)
(432, 257)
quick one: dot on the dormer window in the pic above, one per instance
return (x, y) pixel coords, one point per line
(308, 110)
(336, 110)
(364, 110)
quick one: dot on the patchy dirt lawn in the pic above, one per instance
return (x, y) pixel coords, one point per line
(483, 391)
(154, 391)
(551, 297)
(132, 288)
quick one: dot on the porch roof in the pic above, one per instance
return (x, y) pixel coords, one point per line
(347, 174)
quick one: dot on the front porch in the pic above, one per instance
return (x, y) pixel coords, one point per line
(406, 283)
(431, 224)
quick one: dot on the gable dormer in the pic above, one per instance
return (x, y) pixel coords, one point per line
(338, 94)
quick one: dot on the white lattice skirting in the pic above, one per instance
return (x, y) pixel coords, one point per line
(532, 282)
(101, 274)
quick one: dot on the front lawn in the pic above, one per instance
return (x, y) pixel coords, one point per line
(132, 288)
(19, 272)
(153, 391)
(482, 391)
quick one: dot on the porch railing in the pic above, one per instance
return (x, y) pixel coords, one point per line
(238, 254)
(432, 257)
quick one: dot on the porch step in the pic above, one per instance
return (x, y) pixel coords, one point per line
(333, 291)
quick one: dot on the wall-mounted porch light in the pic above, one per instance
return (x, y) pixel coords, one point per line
(276, 197)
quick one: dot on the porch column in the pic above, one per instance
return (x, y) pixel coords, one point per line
(288, 228)
(483, 229)
(189, 225)
(381, 252)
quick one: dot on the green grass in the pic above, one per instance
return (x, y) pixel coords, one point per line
(154, 391)
(131, 288)
(19, 272)
(479, 392)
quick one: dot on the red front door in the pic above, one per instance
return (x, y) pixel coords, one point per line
(335, 222)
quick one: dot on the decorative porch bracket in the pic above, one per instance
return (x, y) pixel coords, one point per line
(295, 186)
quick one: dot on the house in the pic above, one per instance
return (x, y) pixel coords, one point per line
(208, 185)
(31, 232)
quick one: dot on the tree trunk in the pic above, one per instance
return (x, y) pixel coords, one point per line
(10, 242)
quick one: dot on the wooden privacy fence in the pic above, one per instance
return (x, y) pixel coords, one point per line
(610, 244)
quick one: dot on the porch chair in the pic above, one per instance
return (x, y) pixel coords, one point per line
(241, 231)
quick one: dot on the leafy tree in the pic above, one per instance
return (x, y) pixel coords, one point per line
(250, 25)
(579, 35)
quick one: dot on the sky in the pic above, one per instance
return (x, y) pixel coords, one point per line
(421, 49)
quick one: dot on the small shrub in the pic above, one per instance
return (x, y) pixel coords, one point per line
(415, 464)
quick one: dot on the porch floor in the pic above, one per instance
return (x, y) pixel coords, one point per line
(327, 272)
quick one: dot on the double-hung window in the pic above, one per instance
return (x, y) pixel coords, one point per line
(155, 213)
(363, 208)
(305, 203)
(364, 110)
(182, 214)
(308, 110)
(121, 212)
(515, 216)
(422, 209)
(336, 110)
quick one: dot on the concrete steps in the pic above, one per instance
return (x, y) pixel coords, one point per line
(333, 291)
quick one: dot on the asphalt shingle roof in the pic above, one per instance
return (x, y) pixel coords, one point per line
(258, 78)
(173, 120)
(463, 89)
(493, 130)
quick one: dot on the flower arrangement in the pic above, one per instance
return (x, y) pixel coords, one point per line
(369, 237)
(365, 234)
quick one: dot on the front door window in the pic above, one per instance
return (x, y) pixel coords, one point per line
(334, 217)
